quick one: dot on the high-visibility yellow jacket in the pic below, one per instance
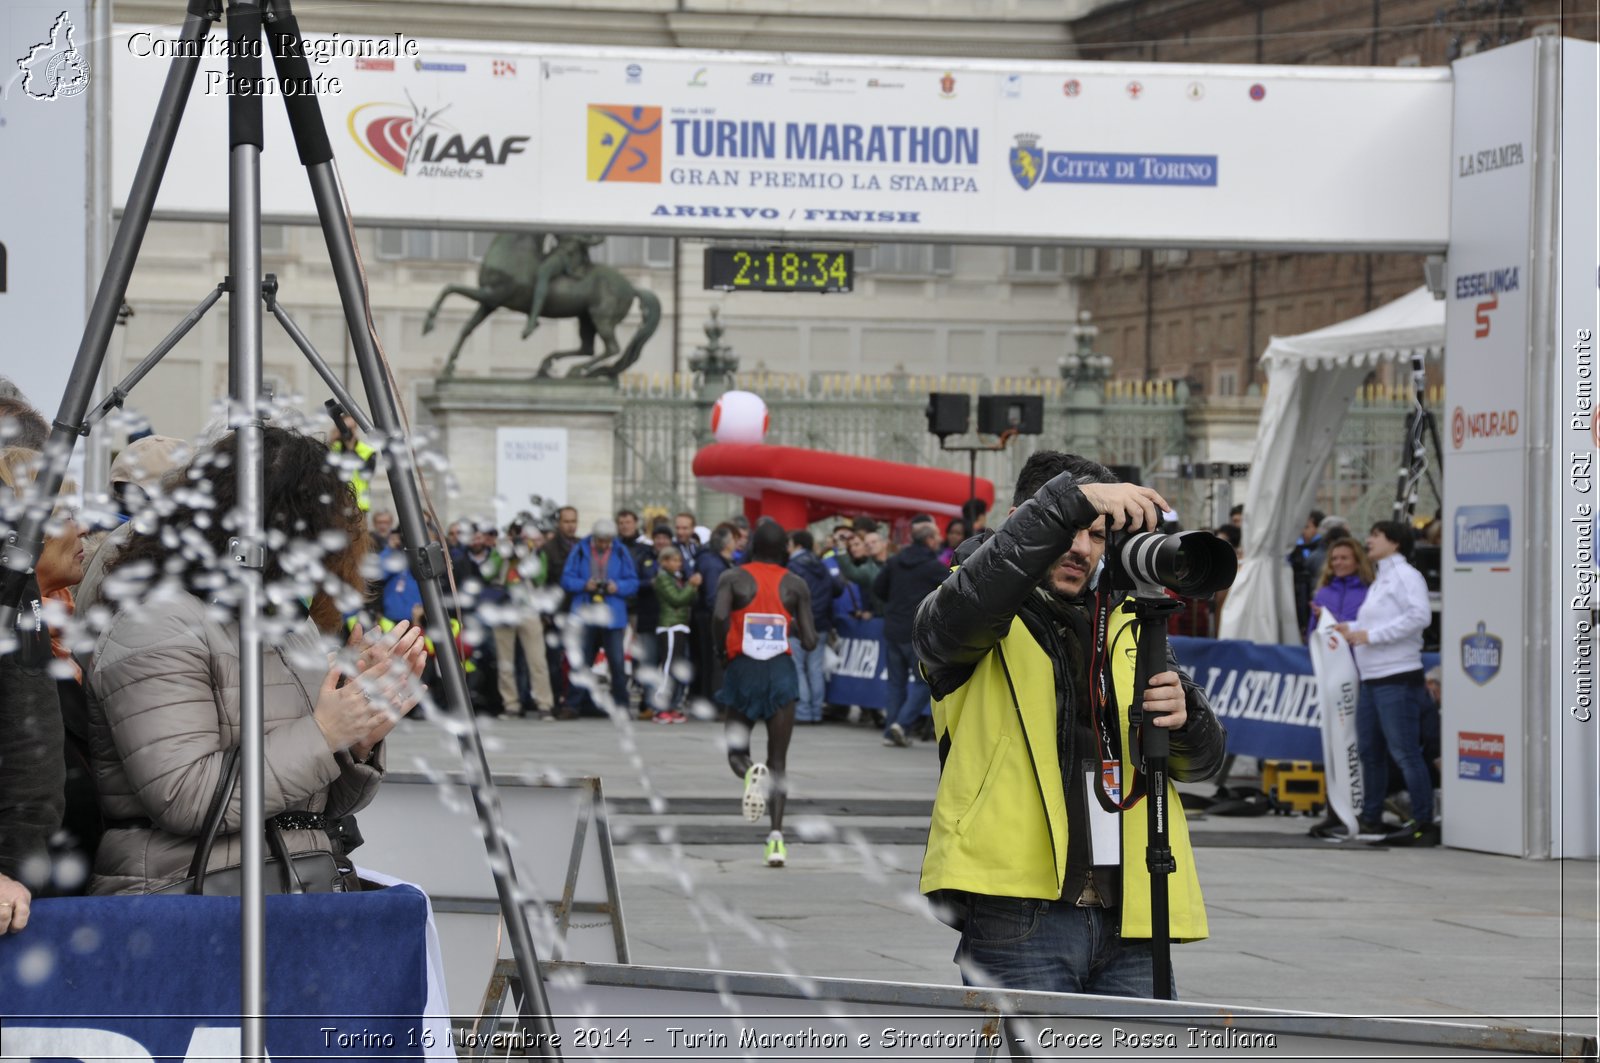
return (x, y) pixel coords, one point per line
(985, 644)
(1000, 817)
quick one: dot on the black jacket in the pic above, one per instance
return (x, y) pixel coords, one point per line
(32, 763)
(994, 583)
(823, 585)
(904, 581)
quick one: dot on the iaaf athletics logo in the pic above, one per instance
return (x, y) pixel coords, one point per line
(411, 141)
(54, 69)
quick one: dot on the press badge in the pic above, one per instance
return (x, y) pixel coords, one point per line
(766, 635)
(1105, 828)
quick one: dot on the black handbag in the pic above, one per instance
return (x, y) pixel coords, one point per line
(313, 872)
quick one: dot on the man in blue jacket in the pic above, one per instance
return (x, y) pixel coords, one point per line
(824, 587)
(600, 576)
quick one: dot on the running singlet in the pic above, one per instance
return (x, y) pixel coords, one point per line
(761, 629)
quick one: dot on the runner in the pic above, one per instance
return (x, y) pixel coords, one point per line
(757, 606)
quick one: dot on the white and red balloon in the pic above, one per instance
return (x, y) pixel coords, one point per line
(740, 417)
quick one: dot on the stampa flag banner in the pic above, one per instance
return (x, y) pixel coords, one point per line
(1338, 690)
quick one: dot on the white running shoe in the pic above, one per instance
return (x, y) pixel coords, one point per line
(756, 782)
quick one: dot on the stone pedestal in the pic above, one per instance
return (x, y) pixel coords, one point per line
(467, 412)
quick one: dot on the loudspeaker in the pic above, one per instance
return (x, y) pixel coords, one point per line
(949, 413)
(1128, 474)
(1002, 413)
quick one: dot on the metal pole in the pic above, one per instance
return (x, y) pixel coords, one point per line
(20, 551)
(244, 394)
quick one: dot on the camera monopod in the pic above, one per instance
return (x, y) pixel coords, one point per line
(1153, 747)
(1150, 564)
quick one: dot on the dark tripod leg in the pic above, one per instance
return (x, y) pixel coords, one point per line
(311, 139)
(1154, 747)
(20, 552)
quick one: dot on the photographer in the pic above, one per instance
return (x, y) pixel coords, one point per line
(1029, 660)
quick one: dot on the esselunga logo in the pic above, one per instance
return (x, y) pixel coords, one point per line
(409, 140)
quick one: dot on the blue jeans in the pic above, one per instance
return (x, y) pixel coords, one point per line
(1051, 947)
(908, 694)
(813, 685)
(614, 641)
(1389, 723)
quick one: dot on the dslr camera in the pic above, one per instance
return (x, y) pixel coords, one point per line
(1194, 564)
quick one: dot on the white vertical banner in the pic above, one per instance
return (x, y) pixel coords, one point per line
(1575, 753)
(1338, 692)
(44, 212)
(528, 462)
(1486, 463)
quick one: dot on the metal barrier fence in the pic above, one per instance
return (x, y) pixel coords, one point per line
(1143, 423)
(663, 423)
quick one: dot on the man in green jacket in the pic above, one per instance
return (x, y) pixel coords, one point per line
(1027, 853)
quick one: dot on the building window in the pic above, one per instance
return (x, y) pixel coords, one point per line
(433, 245)
(1126, 259)
(910, 260)
(274, 239)
(1036, 261)
(1227, 381)
(654, 252)
(1167, 257)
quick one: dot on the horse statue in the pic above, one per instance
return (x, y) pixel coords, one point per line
(518, 273)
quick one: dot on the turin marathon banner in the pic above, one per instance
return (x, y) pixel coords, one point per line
(478, 135)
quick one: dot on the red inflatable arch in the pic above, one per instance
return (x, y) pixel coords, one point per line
(797, 487)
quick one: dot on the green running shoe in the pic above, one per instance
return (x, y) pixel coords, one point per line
(777, 854)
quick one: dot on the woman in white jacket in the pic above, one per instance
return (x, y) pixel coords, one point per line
(1386, 636)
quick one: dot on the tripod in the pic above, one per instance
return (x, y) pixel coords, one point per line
(1420, 428)
(247, 293)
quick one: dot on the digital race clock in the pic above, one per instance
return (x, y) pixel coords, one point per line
(778, 269)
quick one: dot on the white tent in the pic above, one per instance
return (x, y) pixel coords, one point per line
(1311, 380)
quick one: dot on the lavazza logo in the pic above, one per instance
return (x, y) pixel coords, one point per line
(54, 69)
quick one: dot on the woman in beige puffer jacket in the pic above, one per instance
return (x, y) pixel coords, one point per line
(164, 704)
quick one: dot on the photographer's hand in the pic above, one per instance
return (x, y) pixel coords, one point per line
(1165, 702)
(1127, 507)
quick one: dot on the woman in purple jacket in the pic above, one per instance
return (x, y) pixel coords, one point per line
(1346, 575)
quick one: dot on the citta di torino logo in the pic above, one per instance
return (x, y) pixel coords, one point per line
(54, 69)
(411, 141)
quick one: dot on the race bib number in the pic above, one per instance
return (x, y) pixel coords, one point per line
(766, 635)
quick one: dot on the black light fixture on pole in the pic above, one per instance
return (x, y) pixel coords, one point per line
(950, 414)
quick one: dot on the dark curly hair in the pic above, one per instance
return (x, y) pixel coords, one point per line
(315, 532)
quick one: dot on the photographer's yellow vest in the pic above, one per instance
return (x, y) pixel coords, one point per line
(1000, 818)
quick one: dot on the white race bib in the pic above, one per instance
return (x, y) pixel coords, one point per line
(766, 635)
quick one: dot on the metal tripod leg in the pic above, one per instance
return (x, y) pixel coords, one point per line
(269, 292)
(20, 551)
(119, 393)
(316, 154)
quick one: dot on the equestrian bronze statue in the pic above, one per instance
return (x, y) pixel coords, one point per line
(518, 273)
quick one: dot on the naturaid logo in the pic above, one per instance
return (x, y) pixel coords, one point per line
(55, 69)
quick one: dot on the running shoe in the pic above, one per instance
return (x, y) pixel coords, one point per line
(776, 853)
(755, 793)
(896, 736)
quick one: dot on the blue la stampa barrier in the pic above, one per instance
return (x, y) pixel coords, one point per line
(862, 677)
(140, 978)
(1266, 695)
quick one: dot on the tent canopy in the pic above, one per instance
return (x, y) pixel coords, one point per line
(1311, 380)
